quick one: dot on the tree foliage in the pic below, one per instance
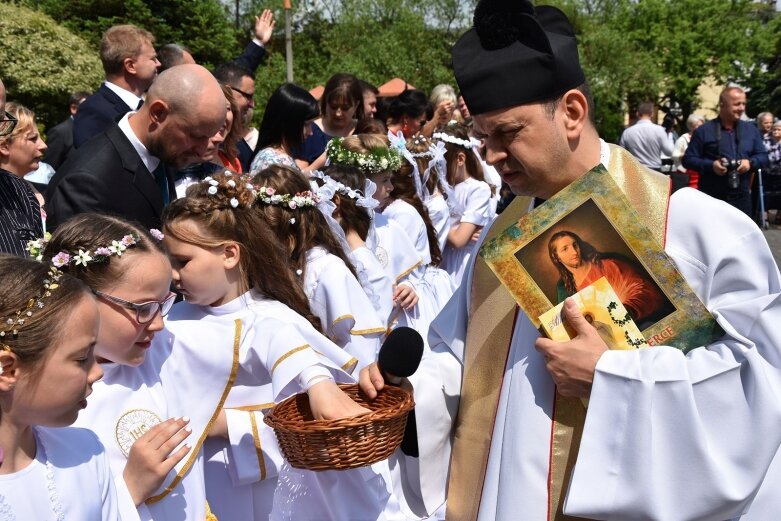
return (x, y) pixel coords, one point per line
(663, 50)
(41, 63)
(201, 25)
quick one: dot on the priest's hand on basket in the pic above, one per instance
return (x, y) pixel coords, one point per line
(572, 364)
(328, 402)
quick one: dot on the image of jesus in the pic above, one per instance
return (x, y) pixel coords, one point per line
(580, 264)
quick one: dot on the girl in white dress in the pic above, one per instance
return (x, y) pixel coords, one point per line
(395, 250)
(139, 406)
(352, 211)
(472, 194)
(230, 267)
(325, 272)
(47, 336)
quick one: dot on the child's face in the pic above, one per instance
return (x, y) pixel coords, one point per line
(123, 340)
(205, 276)
(384, 186)
(54, 391)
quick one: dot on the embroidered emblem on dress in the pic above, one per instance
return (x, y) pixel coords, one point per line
(132, 425)
(382, 256)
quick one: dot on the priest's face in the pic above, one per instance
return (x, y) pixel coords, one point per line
(528, 147)
(123, 339)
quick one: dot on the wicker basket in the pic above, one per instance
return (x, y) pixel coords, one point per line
(341, 444)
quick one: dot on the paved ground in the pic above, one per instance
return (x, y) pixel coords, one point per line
(773, 236)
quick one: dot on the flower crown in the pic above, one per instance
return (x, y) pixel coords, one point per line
(267, 195)
(447, 138)
(85, 257)
(11, 324)
(378, 159)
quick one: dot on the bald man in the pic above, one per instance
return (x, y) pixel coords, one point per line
(127, 171)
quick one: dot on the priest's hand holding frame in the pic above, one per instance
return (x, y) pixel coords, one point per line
(572, 364)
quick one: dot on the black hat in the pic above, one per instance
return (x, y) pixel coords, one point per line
(515, 54)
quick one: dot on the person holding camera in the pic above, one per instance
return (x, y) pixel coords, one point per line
(726, 150)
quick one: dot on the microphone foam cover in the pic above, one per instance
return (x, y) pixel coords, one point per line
(401, 352)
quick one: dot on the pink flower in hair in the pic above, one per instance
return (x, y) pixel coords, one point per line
(128, 240)
(61, 259)
(157, 234)
(269, 191)
(103, 251)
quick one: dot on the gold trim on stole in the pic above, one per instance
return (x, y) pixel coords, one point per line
(494, 309)
(287, 355)
(197, 446)
(256, 439)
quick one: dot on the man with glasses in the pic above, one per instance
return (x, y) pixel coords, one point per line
(242, 83)
(20, 212)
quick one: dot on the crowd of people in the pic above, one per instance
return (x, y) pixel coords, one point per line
(724, 158)
(176, 272)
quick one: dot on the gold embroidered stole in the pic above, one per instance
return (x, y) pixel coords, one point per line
(492, 314)
(193, 455)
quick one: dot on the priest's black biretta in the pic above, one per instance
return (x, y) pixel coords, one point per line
(515, 54)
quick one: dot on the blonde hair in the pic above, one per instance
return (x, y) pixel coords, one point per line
(26, 121)
(121, 42)
(443, 92)
(365, 143)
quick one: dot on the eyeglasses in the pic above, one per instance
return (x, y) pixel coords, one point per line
(145, 311)
(249, 97)
(7, 124)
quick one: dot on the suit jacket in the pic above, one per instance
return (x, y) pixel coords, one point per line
(59, 139)
(252, 57)
(97, 113)
(106, 176)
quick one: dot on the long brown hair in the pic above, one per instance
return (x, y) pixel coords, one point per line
(230, 145)
(587, 253)
(228, 216)
(404, 189)
(90, 231)
(22, 280)
(300, 229)
(472, 163)
(351, 216)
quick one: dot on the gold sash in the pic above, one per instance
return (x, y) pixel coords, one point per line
(492, 314)
(193, 455)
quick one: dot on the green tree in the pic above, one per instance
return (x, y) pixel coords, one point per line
(201, 25)
(41, 62)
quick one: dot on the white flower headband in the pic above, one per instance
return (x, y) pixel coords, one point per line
(267, 195)
(377, 160)
(400, 144)
(466, 143)
(84, 257)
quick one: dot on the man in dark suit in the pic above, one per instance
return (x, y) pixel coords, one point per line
(127, 170)
(130, 62)
(59, 138)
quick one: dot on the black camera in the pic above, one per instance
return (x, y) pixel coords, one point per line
(733, 178)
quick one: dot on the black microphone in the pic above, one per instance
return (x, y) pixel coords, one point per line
(400, 356)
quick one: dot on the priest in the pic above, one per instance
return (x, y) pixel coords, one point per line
(666, 436)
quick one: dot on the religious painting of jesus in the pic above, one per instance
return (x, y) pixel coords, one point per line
(583, 247)
(588, 231)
